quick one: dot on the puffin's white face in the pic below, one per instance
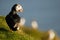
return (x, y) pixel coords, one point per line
(19, 8)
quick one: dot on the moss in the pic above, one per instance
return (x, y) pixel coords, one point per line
(25, 33)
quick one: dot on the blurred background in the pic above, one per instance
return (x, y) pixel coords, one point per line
(45, 12)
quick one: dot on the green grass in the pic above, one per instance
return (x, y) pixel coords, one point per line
(26, 33)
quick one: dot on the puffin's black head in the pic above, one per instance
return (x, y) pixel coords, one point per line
(17, 8)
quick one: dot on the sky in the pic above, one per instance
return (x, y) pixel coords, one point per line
(45, 12)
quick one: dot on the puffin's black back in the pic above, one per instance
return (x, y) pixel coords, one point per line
(10, 22)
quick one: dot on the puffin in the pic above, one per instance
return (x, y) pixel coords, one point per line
(13, 19)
